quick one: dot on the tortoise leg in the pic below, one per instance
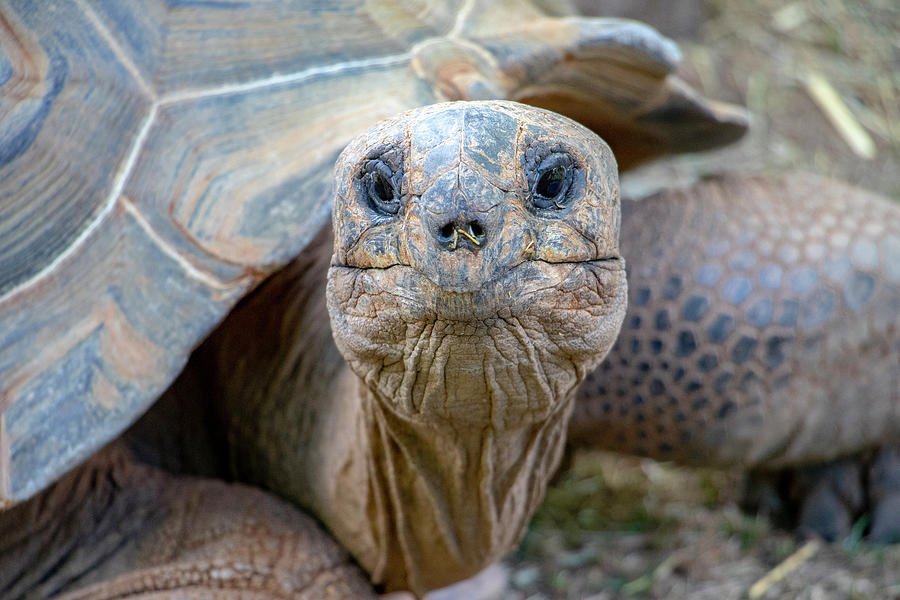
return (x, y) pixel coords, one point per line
(830, 499)
(115, 528)
(884, 496)
(826, 500)
(820, 500)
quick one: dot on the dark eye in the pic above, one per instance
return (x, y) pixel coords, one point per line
(378, 183)
(551, 182)
(382, 187)
(553, 178)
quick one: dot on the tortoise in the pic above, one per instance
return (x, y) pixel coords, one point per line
(422, 481)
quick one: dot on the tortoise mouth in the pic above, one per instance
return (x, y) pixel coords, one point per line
(583, 284)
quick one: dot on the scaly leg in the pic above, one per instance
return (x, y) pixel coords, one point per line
(827, 499)
(114, 528)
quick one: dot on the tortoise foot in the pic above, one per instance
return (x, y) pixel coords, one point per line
(826, 500)
(884, 491)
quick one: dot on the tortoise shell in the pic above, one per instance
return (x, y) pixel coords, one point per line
(158, 159)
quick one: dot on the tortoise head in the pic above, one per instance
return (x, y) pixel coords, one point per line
(476, 273)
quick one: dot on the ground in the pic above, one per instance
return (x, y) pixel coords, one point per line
(615, 527)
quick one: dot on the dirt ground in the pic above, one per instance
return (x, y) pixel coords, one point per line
(617, 527)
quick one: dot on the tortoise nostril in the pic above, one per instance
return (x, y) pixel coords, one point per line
(445, 234)
(456, 232)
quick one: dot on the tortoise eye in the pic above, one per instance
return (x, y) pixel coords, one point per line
(553, 179)
(551, 182)
(380, 189)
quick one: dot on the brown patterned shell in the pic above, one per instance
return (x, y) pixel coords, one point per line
(159, 158)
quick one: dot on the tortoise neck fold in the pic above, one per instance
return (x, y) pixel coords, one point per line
(424, 505)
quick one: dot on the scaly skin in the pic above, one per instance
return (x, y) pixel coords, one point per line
(763, 327)
(115, 528)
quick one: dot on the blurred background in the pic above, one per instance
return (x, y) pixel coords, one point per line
(822, 80)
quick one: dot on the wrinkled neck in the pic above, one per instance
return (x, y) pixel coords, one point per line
(422, 505)
(473, 376)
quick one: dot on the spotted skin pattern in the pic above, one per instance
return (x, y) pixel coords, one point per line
(763, 326)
